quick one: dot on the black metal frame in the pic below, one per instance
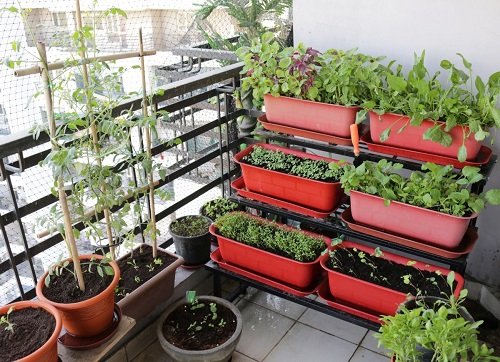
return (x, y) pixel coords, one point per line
(177, 96)
(333, 224)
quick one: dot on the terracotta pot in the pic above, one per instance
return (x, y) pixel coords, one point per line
(372, 296)
(412, 136)
(436, 228)
(319, 117)
(89, 317)
(48, 351)
(294, 189)
(298, 274)
(221, 353)
(143, 300)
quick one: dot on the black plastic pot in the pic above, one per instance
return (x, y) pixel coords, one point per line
(195, 250)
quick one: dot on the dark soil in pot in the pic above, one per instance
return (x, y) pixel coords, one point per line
(403, 278)
(195, 330)
(64, 288)
(139, 268)
(32, 328)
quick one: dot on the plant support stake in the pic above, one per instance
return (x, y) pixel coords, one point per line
(68, 225)
(147, 134)
(93, 126)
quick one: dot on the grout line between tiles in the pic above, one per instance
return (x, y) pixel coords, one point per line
(281, 339)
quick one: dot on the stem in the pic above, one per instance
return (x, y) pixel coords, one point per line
(147, 133)
(68, 225)
(93, 126)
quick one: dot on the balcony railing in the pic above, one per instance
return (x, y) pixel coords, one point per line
(197, 168)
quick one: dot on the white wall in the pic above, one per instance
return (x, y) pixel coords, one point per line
(397, 29)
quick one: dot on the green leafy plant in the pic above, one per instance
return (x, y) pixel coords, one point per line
(439, 328)
(249, 15)
(5, 323)
(279, 161)
(304, 73)
(420, 95)
(101, 266)
(270, 236)
(191, 225)
(436, 187)
(214, 209)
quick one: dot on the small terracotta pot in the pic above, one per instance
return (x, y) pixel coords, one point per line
(89, 317)
(48, 351)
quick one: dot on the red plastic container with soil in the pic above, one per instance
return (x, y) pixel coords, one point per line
(319, 117)
(317, 195)
(426, 225)
(381, 300)
(412, 136)
(297, 274)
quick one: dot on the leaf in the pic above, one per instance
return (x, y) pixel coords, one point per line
(109, 270)
(47, 281)
(466, 63)
(396, 83)
(450, 278)
(190, 296)
(361, 116)
(385, 134)
(445, 64)
(493, 196)
(100, 271)
(462, 153)
(16, 46)
(479, 84)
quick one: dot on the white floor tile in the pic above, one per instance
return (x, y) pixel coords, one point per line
(153, 353)
(335, 326)
(365, 355)
(238, 357)
(369, 342)
(262, 330)
(303, 343)
(282, 306)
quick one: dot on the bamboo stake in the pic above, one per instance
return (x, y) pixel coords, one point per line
(68, 225)
(93, 126)
(59, 65)
(147, 133)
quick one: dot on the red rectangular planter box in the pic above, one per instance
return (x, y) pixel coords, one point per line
(368, 295)
(412, 136)
(414, 222)
(319, 117)
(285, 270)
(317, 195)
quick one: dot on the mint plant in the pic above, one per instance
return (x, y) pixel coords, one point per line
(439, 328)
(436, 187)
(318, 170)
(269, 236)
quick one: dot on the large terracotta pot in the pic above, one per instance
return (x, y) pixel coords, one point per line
(89, 317)
(48, 351)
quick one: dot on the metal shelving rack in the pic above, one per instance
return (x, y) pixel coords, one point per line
(334, 224)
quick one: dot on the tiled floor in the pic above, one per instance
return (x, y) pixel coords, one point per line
(276, 330)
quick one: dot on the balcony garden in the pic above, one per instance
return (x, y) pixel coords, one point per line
(297, 204)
